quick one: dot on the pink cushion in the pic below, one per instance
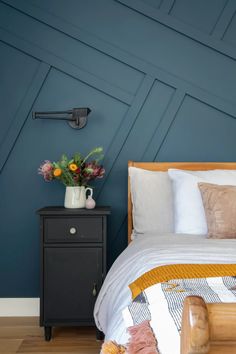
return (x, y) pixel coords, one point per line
(220, 209)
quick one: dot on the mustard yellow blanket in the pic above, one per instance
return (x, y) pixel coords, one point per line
(180, 271)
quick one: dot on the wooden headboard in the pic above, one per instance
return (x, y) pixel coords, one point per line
(164, 166)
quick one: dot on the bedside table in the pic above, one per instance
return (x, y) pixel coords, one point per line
(73, 264)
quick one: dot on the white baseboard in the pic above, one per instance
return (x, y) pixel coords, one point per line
(19, 307)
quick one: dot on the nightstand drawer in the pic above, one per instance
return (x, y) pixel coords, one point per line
(73, 229)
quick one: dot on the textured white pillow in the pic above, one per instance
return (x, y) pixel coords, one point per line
(189, 214)
(151, 195)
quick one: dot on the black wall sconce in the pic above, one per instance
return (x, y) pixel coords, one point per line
(76, 117)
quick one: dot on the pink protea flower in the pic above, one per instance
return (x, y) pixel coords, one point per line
(101, 172)
(46, 166)
(96, 170)
(46, 170)
(92, 170)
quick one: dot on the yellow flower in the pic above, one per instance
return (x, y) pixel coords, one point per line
(73, 167)
(111, 347)
(57, 172)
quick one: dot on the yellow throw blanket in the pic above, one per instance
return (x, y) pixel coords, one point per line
(180, 271)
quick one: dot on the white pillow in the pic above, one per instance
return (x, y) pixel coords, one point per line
(189, 214)
(151, 195)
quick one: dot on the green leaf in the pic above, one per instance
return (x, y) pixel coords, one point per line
(89, 170)
(77, 158)
(64, 161)
(56, 164)
(64, 157)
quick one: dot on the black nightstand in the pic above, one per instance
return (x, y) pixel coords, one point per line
(73, 265)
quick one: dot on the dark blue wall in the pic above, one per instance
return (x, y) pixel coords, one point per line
(159, 76)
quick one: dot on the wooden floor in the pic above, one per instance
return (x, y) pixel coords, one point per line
(23, 335)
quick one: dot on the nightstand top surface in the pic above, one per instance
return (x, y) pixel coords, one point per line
(60, 210)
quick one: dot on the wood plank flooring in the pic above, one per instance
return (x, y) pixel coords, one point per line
(23, 335)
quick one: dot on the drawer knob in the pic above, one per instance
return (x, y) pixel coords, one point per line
(73, 230)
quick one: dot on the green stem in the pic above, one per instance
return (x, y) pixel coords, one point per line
(68, 178)
(97, 150)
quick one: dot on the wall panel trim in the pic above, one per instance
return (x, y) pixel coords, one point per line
(187, 30)
(23, 113)
(122, 56)
(224, 20)
(61, 64)
(162, 130)
(155, 72)
(126, 126)
(167, 5)
(139, 6)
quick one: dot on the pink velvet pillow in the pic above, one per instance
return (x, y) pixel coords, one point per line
(220, 209)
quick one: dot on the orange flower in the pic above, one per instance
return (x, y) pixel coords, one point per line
(111, 347)
(73, 167)
(57, 172)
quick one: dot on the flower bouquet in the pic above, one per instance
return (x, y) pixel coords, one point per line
(75, 173)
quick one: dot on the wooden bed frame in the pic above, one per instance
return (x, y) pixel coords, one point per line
(206, 328)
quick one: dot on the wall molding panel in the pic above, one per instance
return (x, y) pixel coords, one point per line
(164, 126)
(130, 60)
(224, 20)
(23, 113)
(159, 77)
(160, 15)
(166, 6)
(126, 126)
(178, 26)
(104, 86)
(64, 66)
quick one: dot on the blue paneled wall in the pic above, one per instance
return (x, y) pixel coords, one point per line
(159, 76)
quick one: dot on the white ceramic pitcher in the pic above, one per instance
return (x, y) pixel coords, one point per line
(75, 197)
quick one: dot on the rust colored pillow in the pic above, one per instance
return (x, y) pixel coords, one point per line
(220, 209)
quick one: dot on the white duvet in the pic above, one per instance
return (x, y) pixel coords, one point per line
(143, 254)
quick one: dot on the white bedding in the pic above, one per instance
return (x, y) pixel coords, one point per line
(143, 254)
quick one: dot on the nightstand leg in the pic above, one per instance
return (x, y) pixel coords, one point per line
(99, 335)
(47, 333)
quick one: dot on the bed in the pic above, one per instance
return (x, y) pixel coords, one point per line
(143, 255)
